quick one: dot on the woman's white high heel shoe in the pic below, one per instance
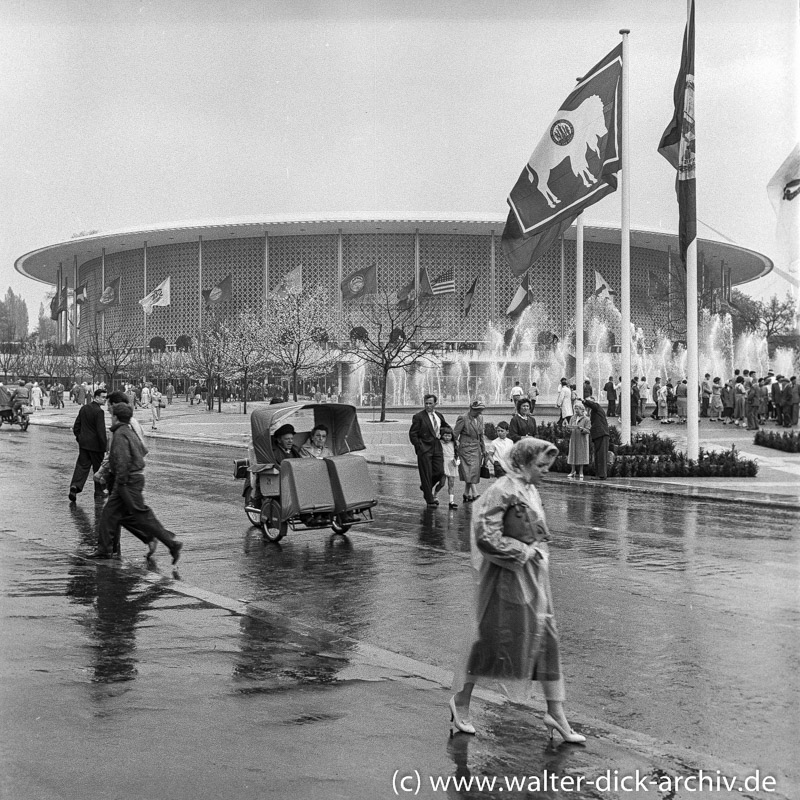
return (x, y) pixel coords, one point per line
(464, 725)
(568, 735)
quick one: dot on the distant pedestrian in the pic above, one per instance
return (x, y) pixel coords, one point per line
(451, 462)
(468, 436)
(580, 428)
(90, 433)
(715, 403)
(564, 402)
(156, 403)
(682, 396)
(588, 391)
(705, 394)
(516, 393)
(36, 396)
(611, 397)
(599, 434)
(532, 395)
(170, 392)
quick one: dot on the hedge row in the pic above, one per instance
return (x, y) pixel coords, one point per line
(788, 441)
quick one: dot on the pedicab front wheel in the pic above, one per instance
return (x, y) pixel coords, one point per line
(253, 514)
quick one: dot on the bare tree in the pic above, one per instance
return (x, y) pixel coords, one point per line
(300, 332)
(208, 356)
(109, 353)
(246, 353)
(390, 335)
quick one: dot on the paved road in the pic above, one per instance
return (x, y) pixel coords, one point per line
(295, 666)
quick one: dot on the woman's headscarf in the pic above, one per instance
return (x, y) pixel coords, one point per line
(525, 452)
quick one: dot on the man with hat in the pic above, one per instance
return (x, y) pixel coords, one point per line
(284, 444)
(126, 504)
(424, 435)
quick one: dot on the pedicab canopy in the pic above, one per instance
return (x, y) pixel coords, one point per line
(344, 432)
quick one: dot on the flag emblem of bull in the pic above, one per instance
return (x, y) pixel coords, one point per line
(578, 131)
(572, 166)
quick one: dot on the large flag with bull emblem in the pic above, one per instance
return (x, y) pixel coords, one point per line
(572, 167)
(160, 296)
(678, 142)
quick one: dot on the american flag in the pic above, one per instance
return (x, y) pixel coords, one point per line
(445, 283)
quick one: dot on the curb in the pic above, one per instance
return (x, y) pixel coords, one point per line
(738, 495)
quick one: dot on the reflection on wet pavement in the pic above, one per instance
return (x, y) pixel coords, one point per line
(678, 618)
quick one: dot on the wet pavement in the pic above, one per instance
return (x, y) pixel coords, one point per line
(319, 667)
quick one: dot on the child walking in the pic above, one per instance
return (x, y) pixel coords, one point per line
(451, 460)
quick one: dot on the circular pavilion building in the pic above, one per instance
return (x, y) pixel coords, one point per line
(246, 259)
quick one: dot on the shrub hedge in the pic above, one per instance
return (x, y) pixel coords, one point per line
(788, 441)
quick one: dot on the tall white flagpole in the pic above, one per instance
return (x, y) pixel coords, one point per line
(625, 252)
(579, 307)
(692, 351)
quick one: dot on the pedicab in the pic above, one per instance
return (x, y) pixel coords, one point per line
(306, 493)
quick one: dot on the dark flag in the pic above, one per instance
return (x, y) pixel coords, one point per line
(360, 283)
(466, 303)
(220, 293)
(54, 306)
(521, 299)
(677, 144)
(110, 295)
(408, 295)
(82, 293)
(571, 168)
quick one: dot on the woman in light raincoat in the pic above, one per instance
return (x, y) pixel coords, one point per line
(515, 641)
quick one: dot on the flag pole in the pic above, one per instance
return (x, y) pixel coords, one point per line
(625, 251)
(692, 354)
(579, 307)
(144, 310)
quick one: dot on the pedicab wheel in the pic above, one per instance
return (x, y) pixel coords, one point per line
(24, 425)
(253, 515)
(337, 526)
(274, 528)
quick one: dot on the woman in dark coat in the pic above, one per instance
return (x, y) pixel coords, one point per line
(468, 436)
(522, 423)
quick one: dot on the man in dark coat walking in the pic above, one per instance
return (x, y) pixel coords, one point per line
(599, 435)
(90, 433)
(424, 435)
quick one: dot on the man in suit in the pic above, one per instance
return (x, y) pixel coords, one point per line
(424, 435)
(90, 433)
(599, 435)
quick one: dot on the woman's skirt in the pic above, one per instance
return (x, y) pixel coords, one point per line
(469, 451)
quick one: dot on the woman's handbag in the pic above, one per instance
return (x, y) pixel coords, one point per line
(485, 471)
(518, 524)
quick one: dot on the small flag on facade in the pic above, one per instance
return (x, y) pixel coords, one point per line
(466, 303)
(360, 283)
(656, 288)
(409, 294)
(521, 299)
(82, 293)
(160, 296)
(54, 306)
(678, 142)
(602, 289)
(571, 168)
(292, 281)
(445, 283)
(220, 293)
(110, 295)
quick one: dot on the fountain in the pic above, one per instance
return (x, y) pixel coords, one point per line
(529, 352)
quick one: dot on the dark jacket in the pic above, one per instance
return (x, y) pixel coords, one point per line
(598, 419)
(421, 433)
(519, 427)
(127, 453)
(90, 428)
(281, 455)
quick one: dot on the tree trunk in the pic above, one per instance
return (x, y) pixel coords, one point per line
(244, 392)
(294, 385)
(219, 394)
(383, 394)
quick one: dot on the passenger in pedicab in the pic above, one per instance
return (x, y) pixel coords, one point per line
(284, 444)
(315, 447)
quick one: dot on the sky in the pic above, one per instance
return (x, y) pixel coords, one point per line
(115, 114)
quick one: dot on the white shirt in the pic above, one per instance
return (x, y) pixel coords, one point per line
(434, 422)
